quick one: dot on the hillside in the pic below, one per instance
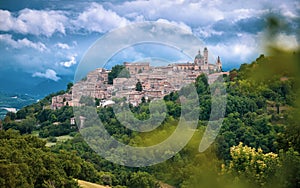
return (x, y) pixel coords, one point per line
(258, 144)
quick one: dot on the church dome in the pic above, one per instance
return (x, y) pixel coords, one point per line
(198, 56)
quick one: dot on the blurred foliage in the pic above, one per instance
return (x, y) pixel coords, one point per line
(250, 165)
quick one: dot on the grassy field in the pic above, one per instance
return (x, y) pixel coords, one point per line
(86, 184)
(59, 139)
(63, 138)
(35, 133)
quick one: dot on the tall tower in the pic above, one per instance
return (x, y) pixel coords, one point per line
(205, 54)
(219, 64)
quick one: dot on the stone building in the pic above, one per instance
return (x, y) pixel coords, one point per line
(61, 100)
(135, 68)
(185, 66)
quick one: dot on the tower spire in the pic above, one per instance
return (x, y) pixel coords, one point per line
(219, 64)
(205, 54)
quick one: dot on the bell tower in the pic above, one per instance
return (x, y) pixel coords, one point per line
(205, 54)
(219, 64)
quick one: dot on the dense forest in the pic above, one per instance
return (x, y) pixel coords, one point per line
(257, 146)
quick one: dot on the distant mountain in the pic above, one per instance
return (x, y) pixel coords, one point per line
(45, 87)
(15, 101)
(19, 89)
(17, 82)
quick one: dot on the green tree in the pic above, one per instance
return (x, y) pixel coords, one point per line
(251, 165)
(201, 84)
(118, 71)
(69, 86)
(26, 162)
(138, 86)
(142, 179)
(43, 115)
(11, 115)
(53, 118)
(289, 172)
(21, 114)
(143, 100)
(27, 125)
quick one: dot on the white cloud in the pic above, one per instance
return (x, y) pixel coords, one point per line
(244, 13)
(243, 49)
(204, 32)
(49, 74)
(198, 16)
(288, 12)
(21, 43)
(63, 46)
(70, 62)
(98, 19)
(180, 24)
(36, 22)
(6, 20)
(190, 13)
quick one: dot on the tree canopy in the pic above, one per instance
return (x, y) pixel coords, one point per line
(118, 71)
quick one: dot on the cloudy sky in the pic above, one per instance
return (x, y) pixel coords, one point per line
(47, 38)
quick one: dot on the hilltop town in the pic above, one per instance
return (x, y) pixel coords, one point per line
(153, 82)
